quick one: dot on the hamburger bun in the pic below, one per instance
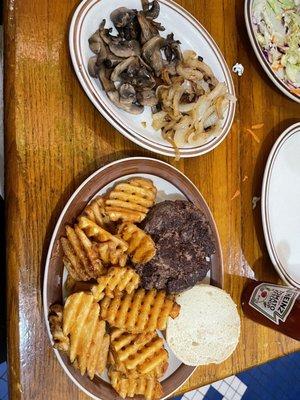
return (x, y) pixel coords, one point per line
(207, 329)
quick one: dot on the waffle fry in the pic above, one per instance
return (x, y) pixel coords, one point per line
(80, 256)
(109, 254)
(143, 353)
(148, 387)
(139, 311)
(111, 248)
(141, 246)
(95, 211)
(130, 201)
(89, 343)
(69, 283)
(73, 286)
(100, 235)
(157, 372)
(120, 367)
(117, 279)
(61, 341)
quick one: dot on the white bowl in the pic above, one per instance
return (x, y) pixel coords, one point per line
(260, 55)
(191, 34)
(281, 205)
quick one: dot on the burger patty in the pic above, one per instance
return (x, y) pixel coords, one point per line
(184, 245)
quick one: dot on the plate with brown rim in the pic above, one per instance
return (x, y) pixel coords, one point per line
(252, 29)
(171, 185)
(138, 128)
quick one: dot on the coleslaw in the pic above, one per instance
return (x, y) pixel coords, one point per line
(277, 24)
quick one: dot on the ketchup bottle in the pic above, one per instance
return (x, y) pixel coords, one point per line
(277, 307)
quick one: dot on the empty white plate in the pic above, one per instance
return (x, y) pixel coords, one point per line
(191, 34)
(281, 205)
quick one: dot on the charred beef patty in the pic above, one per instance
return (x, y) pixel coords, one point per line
(184, 245)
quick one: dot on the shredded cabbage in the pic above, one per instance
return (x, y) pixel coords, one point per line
(277, 25)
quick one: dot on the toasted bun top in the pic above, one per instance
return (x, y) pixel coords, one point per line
(207, 329)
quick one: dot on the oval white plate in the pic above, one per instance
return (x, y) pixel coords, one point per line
(281, 205)
(171, 185)
(85, 22)
(260, 55)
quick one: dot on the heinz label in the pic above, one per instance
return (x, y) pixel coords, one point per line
(273, 301)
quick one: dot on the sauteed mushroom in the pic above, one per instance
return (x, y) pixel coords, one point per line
(127, 92)
(125, 48)
(115, 76)
(147, 98)
(105, 33)
(124, 104)
(96, 43)
(132, 70)
(151, 10)
(152, 55)
(137, 68)
(172, 49)
(93, 68)
(104, 77)
(117, 45)
(138, 76)
(121, 16)
(132, 30)
(126, 23)
(149, 28)
(111, 59)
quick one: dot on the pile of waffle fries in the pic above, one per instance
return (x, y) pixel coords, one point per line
(107, 321)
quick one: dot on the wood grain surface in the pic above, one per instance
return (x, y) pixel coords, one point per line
(54, 138)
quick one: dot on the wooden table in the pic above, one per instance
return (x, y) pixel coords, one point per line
(55, 138)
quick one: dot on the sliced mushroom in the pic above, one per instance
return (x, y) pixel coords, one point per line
(152, 55)
(126, 23)
(131, 31)
(115, 76)
(117, 45)
(144, 79)
(105, 34)
(127, 92)
(149, 28)
(172, 49)
(132, 108)
(158, 26)
(138, 76)
(125, 48)
(98, 47)
(144, 64)
(133, 68)
(104, 78)
(147, 98)
(145, 5)
(112, 60)
(96, 43)
(121, 16)
(151, 10)
(93, 68)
